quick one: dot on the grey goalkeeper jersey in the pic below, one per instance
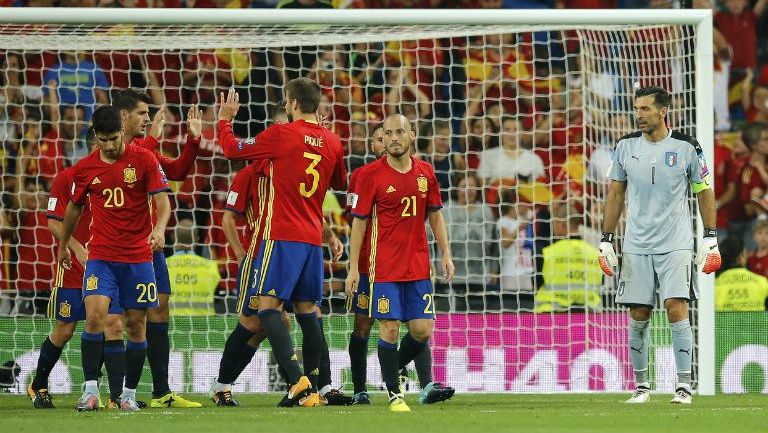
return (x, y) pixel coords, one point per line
(657, 176)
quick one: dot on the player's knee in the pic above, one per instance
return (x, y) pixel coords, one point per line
(640, 313)
(136, 328)
(94, 322)
(677, 309)
(421, 333)
(113, 330)
(251, 323)
(389, 330)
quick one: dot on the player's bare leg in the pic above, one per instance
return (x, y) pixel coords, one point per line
(92, 349)
(639, 340)
(270, 309)
(682, 345)
(135, 355)
(158, 354)
(50, 351)
(358, 356)
(415, 345)
(389, 360)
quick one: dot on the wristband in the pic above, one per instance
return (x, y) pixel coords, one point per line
(710, 233)
(607, 237)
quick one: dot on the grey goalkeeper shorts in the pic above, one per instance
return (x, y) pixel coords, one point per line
(672, 274)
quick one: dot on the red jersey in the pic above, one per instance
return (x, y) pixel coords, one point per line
(398, 204)
(304, 160)
(117, 195)
(247, 196)
(36, 253)
(723, 167)
(741, 32)
(758, 265)
(746, 180)
(365, 249)
(61, 194)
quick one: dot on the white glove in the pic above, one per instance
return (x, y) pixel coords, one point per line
(708, 257)
(607, 258)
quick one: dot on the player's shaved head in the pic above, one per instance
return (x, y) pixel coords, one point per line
(398, 135)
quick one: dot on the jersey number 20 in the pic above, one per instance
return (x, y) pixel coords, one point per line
(115, 197)
(314, 159)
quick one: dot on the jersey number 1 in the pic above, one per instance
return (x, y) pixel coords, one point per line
(314, 159)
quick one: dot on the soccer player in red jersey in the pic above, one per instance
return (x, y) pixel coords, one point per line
(66, 302)
(758, 260)
(304, 160)
(117, 181)
(134, 112)
(399, 194)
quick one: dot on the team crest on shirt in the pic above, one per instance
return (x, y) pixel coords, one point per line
(670, 159)
(129, 175)
(383, 306)
(65, 309)
(92, 283)
(422, 182)
(253, 302)
(362, 301)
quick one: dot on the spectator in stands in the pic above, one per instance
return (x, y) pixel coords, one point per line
(758, 260)
(738, 24)
(510, 161)
(194, 279)
(79, 82)
(751, 183)
(439, 154)
(514, 230)
(755, 100)
(36, 249)
(422, 61)
(405, 97)
(481, 135)
(66, 138)
(470, 225)
(736, 288)
(725, 179)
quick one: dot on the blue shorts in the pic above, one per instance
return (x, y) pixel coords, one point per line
(162, 278)
(361, 301)
(247, 289)
(66, 305)
(289, 271)
(131, 285)
(402, 301)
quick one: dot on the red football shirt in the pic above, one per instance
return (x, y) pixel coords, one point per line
(304, 160)
(365, 249)
(746, 180)
(741, 32)
(398, 204)
(118, 196)
(36, 253)
(247, 196)
(61, 194)
(758, 265)
(723, 166)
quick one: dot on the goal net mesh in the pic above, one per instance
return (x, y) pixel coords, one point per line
(519, 123)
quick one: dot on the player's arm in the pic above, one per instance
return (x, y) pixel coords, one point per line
(329, 237)
(708, 256)
(178, 169)
(437, 223)
(56, 228)
(71, 217)
(262, 147)
(229, 226)
(355, 244)
(163, 205)
(614, 204)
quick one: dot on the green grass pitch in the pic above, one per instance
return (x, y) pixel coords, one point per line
(485, 413)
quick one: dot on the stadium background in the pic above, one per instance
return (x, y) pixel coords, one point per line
(444, 83)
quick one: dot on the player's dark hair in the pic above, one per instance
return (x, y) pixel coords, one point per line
(458, 177)
(128, 99)
(277, 111)
(751, 133)
(306, 92)
(730, 250)
(105, 120)
(661, 98)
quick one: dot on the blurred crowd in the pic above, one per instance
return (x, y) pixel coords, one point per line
(519, 128)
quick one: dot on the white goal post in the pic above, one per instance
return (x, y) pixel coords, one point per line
(88, 29)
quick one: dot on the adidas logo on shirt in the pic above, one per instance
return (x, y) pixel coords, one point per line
(96, 181)
(391, 189)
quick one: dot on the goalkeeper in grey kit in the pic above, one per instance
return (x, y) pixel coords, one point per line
(653, 169)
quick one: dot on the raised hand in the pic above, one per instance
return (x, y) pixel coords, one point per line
(194, 122)
(228, 107)
(158, 122)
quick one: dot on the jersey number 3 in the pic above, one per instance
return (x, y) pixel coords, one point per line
(314, 159)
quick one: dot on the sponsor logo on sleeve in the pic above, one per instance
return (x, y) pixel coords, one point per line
(232, 198)
(52, 204)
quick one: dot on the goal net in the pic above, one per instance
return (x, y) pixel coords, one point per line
(518, 120)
